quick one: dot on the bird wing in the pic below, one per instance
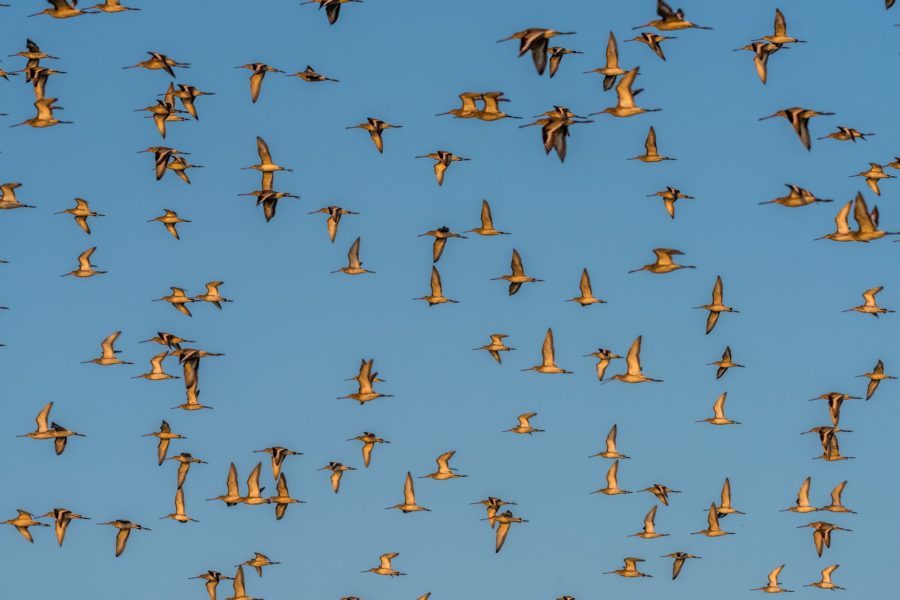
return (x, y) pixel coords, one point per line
(861, 214)
(869, 295)
(263, 148)
(633, 358)
(780, 25)
(436, 281)
(106, 346)
(84, 259)
(803, 493)
(487, 221)
(42, 418)
(547, 350)
(502, 532)
(516, 263)
(443, 461)
(836, 493)
(585, 284)
(773, 576)
(121, 540)
(719, 406)
(231, 483)
(612, 476)
(253, 490)
(623, 89)
(726, 494)
(611, 440)
(840, 221)
(612, 52)
(409, 493)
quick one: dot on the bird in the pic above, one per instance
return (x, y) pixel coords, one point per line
(354, 265)
(64, 9)
(337, 471)
(630, 569)
(22, 522)
(188, 94)
(266, 166)
(670, 196)
(845, 134)
(866, 223)
(311, 76)
(254, 491)
(124, 531)
(85, 268)
(162, 156)
(170, 219)
(156, 372)
(165, 436)
(780, 35)
(62, 517)
(169, 340)
(334, 218)
(258, 73)
(556, 54)
(762, 50)
(625, 107)
(518, 276)
(825, 582)
(633, 373)
(524, 424)
(8, 200)
(504, 520)
(81, 212)
(670, 20)
(719, 417)
(469, 109)
(179, 514)
(365, 379)
(443, 159)
(548, 357)
(831, 450)
(493, 504)
(587, 295)
(536, 40)
(772, 586)
(649, 531)
(185, 460)
(870, 306)
(384, 566)
(212, 294)
(409, 498)
(178, 299)
(269, 200)
(822, 534)
(159, 61)
(611, 69)
(232, 494)
(836, 504)
(282, 499)
(375, 127)
(835, 400)
(664, 262)
(716, 307)
(278, 453)
(798, 196)
(437, 293)
(799, 119)
(661, 492)
(725, 508)
(652, 155)
(444, 471)
(496, 346)
(212, 579)
(653, 41)
(875, 378)
(332, 8)
(46, 430)
(678, 563)
(555, 129)
(240, 592)
(802, 505)
(725, 363)
(487, 222)
(179, 166)
(611, 451)
(440, 235)
(712, 529)
(368, 440)
(259, 561)
(873, 175)
(604, 356)
(612, 482)
(108, 352)
(490, 110)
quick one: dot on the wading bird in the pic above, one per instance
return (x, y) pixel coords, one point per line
(518, 276)
(548, 358)
(536, 40)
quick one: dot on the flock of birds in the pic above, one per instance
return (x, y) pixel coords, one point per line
(485, 106)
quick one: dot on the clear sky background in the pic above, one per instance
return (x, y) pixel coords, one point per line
(295, 331)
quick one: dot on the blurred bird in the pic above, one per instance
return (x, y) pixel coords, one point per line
(836, 504)
(22, 522)
(269, 200)
(649, 531)
(240, 592)
(259, 561)
(178, 299)
(493, 504)
(156, 372)
(652, 155)
(266, 166)
(179, 514)
(712, 529)
(798, 196)
(845, 134)
(332, 8)
(556, 54)
(232, 494)
(825, 582)
(8, 200)
(761, 53)
(633, 373)
(81, 212)
(670, 20)
(679, 557)
(822, 534)
(384, 565)
(185, 460)
(108, 352)
(52, 431)
(604, 356)
(664, 262)
(835, 401)
(661, 492)
(802, 505)
(282, 499)
(278, 453)
(587, 295)
(503, 521)
(716, 307)
(310, 75)
(437, 293)
(487, 222)
(612, 482)
(443, 159)
(719, 417)
(873, 176)
(212, 579)
(725, 363)
(440, 235)
(625, 106)
(44, 116)
(611, 451)
(63, 9)
(866, 223)
(772, 586)
(365, 392)
(670, 196)
(653, 41)
(725, 508)
(212, 294)
(780, 35)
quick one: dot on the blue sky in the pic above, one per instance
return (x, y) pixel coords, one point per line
(295, 331)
